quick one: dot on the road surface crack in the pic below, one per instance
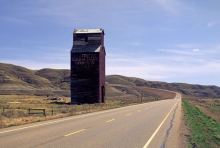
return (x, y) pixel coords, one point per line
(169, 129)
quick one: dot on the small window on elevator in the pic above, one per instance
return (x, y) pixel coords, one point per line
(86, 39)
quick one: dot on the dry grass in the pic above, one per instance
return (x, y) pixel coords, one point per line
(68, 110)
(2, 121)
(14, 108)
(30, 119)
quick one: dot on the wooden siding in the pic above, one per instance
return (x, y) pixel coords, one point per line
(87, 68)
(102, 75)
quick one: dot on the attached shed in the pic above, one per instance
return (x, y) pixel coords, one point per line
(88, 66)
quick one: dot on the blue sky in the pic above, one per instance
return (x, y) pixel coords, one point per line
(157, 40)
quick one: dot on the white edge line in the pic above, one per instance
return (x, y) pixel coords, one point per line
(151, 138)
(75, 117)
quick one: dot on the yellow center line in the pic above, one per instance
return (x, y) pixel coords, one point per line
(74, 132)
(110, 120)
(128, 114)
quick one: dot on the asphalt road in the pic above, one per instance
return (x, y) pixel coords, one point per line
(138, 126)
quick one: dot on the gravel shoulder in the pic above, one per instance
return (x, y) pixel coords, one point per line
(177, 138)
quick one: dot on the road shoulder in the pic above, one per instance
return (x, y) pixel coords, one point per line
(177, 138)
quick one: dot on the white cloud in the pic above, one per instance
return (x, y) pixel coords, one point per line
(196, 50)
(136, 43)
(109, 13)
(186, 46)
(173, 6)
(193, 49)
(172, 66)
(211, 24)
(180, 51)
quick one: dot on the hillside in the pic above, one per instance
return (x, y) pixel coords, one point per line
(186, 89)
(59, 78)
(17, 75)
(19, 80)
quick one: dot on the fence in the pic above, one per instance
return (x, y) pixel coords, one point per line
(21, 110)
(10, 111)
(37, 109)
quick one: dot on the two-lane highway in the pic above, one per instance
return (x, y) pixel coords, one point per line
(137, 126)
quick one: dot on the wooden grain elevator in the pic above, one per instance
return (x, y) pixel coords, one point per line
(88, 66)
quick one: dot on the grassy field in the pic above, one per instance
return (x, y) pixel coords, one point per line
(211, 107)
(14, 108)
(205, 130)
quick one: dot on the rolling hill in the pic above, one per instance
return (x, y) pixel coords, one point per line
(19, 80)
(186, 89)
